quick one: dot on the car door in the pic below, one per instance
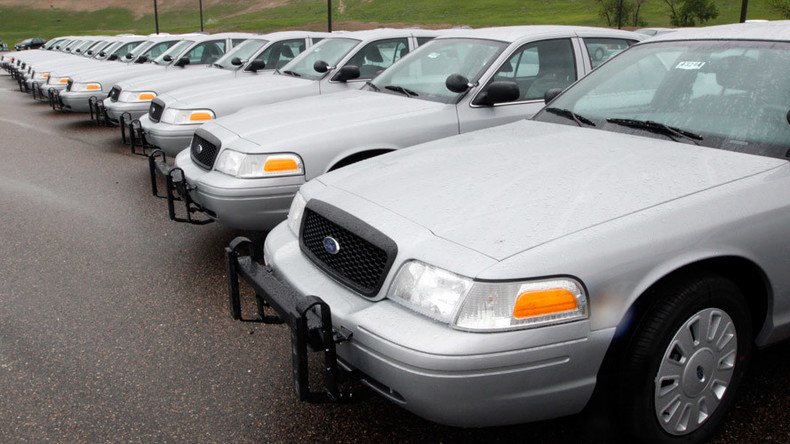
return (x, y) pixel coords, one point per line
(205, 53)
(535, 67)
(371, 60)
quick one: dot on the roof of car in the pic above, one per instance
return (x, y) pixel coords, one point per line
(776, 30)
(515, 33)
(281, 35)
(372, 34)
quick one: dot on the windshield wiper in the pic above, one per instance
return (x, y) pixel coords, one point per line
(659, 128)
(372, 86)
(402, 90)
(580, 120)
(291, 73)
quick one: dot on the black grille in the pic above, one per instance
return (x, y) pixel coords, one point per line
(203, 152)
(155, 112)
(115, 92)
(358, 263)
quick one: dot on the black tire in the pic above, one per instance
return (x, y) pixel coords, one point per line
(674, 303)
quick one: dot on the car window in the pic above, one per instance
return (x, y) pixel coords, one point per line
(243, 52)
(538, 67)
(423, 40)
(237, 42)
(173, 52)
(733, 94)
(159, 49)
(426, 70)
(330, 51)
(279, 54)
(206, 52)
(126, 48)
(600, 50)
(377, 56)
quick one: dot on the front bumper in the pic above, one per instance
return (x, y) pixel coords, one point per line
(246, 204)
(448, 376)
(79, 102)
(135, 110)
(171, 139)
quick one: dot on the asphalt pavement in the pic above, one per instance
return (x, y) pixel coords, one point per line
(114, 322)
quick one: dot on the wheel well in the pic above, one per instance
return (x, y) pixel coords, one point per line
(356, 157)
(747, 275)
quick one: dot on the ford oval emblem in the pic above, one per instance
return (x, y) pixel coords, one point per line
(199, 149)
(331, 245)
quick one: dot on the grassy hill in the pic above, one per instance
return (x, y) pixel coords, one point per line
(51, 18)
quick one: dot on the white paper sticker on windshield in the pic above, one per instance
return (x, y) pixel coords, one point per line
(690, 65)
(433, 55)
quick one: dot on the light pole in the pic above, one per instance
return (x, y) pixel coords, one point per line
(201, 15)
(329, 15)
(620, 14)
(156, 17)
(744, 6)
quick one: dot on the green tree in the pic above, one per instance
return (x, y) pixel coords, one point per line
(691, 12)
(781, 6)
(616, 12)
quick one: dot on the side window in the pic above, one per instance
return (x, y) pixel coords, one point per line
(316, 40)
(206, 52)
(279, 54)
(601, 50)
(158, 49)
(538, 67)
(423, 40)
(237, 42)
(377, 56)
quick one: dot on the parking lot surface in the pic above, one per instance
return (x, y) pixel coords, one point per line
(114, 326)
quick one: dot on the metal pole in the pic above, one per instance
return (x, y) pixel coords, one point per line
(329, 15)
(201, 15)
(744, 6)
(156, 17)
(619, 14)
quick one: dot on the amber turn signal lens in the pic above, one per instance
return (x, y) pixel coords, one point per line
(544, 302)
(146, 96)
(92, 87)
(199, 117)
(63, 81)
(275, 165)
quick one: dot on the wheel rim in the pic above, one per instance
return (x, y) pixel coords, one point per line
(695, 371)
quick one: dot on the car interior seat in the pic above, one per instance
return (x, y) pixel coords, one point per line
(557, 69)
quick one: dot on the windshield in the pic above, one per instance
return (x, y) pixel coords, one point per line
(330, 51)
(74, 44)
(85, 45)
(48, 45)
(124, 49)
(243, 51)
(96, 47)
(426, 70)
(107, 50)
(732, 95)
(173, 52)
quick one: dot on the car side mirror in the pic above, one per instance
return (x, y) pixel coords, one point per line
(788, 117)
(235, 61)
(321, 66)
(141, 59)
(102, 54)
(78, 51)
(167, 58)
(256, 65)
(128, 56)
(182, 62)
(346, 73)
(551, 94)
(457, 83)
(112, 57)
(90, 52)
(499, 92)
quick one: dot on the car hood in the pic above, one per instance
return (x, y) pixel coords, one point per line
(114, 69)
(287, 123)
(174, 78)
(505, 190)
(229, 90)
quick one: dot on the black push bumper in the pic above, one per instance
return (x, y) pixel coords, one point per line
(176, 190)
(308, 317)
(98, 113)
(133, 135)
(55, 101)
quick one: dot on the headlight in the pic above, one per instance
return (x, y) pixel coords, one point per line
(249, 166)
(479, 306)
(187, 116)
(136, 96)
(82, 87)
(296, 212)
